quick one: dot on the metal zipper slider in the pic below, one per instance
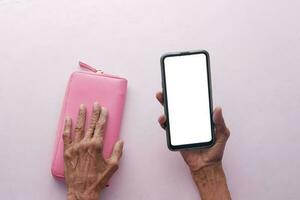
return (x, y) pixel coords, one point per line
(99, 72)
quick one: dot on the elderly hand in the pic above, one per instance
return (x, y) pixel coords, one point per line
(86, 170)
(206, 164)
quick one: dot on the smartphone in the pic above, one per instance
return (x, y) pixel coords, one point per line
(188, 103)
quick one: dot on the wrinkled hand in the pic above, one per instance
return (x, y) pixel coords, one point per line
(198, 159)
(86, 171)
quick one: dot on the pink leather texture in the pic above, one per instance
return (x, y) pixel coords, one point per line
(86, 88)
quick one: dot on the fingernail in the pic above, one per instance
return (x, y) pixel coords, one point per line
(221, 111)
(104, 110)
(81, 106)
(121, 142)
(67, 119)
(96, 104)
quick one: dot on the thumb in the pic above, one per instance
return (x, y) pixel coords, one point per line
(117, 152)
(222, 132)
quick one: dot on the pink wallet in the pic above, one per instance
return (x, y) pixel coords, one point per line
(87, 87)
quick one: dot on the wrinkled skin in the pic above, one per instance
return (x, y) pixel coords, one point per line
(86, 171)
(197, 159)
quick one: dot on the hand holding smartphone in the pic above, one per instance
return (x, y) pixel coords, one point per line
(187, 94)
(190, 122)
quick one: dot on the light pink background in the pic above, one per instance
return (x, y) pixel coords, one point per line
(255, 57)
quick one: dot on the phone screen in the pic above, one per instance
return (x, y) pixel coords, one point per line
(188, 98)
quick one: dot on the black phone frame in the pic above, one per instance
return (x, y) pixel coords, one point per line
(167, 127)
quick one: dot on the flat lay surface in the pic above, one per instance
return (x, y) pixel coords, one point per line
(254, 48)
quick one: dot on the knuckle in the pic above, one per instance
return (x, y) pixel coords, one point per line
(227, 132)
(77, 147)
(97, 144)
(98, 124)
(96, 111)
(81, 112)
(84, 146)
(114, 164)
(67, 154)
(78, 129)
(100, 140)
(102, 121)
(221, 129)
(65, 135)
(93, 121)
(66, 130)
(206, 159)
(90, 130)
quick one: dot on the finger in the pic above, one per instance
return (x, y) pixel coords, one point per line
(94, 119)
(160, 97)
(100, 125)
(162, 121)
(222, 132)
(79, 128)
(67, 132)
(117, 152)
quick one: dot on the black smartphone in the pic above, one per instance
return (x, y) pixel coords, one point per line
(188, 103)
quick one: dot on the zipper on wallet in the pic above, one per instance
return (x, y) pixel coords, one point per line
(97, 71)
(90, 68)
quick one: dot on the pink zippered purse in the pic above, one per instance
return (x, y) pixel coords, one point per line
(87, 87)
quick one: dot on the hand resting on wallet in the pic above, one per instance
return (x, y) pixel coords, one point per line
(86, 171)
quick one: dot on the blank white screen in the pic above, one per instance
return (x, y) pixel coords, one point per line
(188, 99)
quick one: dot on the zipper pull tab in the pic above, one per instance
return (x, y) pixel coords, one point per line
(90, 68)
